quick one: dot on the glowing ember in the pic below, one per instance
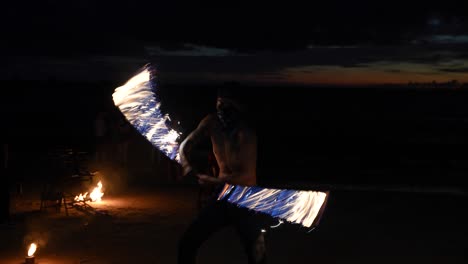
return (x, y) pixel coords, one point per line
(94, 196)
(32, 249)
(97, 193)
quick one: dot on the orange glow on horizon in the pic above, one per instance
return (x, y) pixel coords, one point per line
(376, 74)
(368, 76)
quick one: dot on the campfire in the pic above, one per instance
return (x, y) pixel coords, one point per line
(94, 196)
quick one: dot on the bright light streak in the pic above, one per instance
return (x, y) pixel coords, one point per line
(277, 225)
(138, 102)
(294, 206)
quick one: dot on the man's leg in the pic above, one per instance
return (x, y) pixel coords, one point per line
(250, 227)
(210, 220)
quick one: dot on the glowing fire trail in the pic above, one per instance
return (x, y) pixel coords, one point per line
(294, 206)
(139, 104)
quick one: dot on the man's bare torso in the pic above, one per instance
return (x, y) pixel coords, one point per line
(236, 153)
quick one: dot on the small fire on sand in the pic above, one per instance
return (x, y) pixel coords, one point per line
(30, 258)
(94, 196)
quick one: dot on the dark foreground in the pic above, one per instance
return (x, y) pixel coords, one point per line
(143, 226)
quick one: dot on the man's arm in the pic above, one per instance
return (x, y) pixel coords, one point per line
(192, 140)
(235, 178)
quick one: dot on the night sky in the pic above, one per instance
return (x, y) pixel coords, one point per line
(332, 43)
(62, 61)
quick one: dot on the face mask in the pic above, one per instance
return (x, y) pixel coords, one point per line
(228, 117)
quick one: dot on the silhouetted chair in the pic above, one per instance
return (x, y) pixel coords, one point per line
(53, 195)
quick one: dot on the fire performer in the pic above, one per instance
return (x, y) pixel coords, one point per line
(234, 144)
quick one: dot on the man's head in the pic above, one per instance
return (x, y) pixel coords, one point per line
(231, 104)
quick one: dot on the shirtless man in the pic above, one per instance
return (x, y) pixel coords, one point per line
(235, 148)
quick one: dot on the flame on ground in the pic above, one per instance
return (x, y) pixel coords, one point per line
(97, 193)
(32, 249)
(94, 196)
(81, 197)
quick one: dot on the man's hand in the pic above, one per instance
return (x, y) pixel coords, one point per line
(204, 179)
(187, 170)
(188, 175)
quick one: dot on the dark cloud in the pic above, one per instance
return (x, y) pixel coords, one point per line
(394, 70)
(455, 70)
(188, 50)
(357, 57)
(198, 61)
(236, 38)
(57, 27)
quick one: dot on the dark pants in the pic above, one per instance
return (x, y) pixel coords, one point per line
(220, 214)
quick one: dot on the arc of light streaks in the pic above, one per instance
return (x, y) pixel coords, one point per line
(139, 103)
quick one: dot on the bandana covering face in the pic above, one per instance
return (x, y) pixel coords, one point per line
(229, 117)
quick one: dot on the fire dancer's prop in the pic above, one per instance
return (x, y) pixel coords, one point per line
(300, 207)
(30, 259)
(139, 103)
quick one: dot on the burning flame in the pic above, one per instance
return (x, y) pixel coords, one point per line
(81, 197)
(94, 196)
(32, 249)
(97, 193)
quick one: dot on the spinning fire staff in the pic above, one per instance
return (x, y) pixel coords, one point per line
(139, 103)
(235, 147)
